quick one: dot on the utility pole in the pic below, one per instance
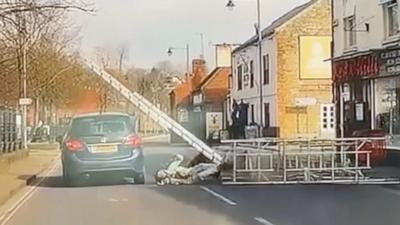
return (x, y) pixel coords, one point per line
(23, 101)
(260, 61)
(24, 106)
(202, 45)
(231, 5)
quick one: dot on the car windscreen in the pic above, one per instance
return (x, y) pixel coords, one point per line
(102, 126)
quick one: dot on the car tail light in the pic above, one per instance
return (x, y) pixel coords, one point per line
(75, 145)
(134, 141)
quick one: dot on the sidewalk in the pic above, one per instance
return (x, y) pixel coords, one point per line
(19, 169)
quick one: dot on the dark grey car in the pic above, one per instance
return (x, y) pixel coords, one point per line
(106, 142)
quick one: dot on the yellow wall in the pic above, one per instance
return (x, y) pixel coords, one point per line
(314, 21)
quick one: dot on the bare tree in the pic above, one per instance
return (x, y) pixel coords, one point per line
(33, 46)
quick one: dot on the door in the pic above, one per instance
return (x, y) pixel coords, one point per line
(328, 121)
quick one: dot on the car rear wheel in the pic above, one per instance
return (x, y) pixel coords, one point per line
(69, 180)
(139, 178)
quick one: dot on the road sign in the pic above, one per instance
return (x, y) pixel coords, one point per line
(25, 101)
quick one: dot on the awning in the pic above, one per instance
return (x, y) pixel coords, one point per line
(352, 55)
(381, 2)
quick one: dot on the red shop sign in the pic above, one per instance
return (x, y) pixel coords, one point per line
(361, 66)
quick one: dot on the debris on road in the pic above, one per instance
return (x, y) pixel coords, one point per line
(177, 174)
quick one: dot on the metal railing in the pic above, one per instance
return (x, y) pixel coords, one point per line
(289, 161)
(9, 140)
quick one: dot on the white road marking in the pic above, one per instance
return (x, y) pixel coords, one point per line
(28, 195)
(221, 197)
(395, 192)
(112, 200)
(263, 221)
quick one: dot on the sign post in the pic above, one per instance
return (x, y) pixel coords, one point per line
(24, 102)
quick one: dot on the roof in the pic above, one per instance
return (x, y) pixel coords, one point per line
(213, 73)
(276, 24)
(181, 92)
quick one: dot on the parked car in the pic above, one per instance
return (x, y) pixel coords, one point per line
(102, 142)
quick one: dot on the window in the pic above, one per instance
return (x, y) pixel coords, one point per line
(391, 18)
(266, 115)
(252, 113)
(230, 81)
(107, 126)
(251, 73)
(350, 31)
(240, 77)
(266, 69)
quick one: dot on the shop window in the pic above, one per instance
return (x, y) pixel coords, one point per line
(391, 18)
(387, 103)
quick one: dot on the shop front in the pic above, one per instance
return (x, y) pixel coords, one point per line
(387, 89)
(354, 92)
(367, 92)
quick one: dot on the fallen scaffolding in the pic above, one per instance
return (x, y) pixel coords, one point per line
(315, 161)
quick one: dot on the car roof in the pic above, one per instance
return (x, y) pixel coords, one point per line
(101, 114)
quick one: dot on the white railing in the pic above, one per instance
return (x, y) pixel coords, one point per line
(288, 161)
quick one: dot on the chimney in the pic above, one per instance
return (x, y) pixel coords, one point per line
(199, 67)
(199, 71)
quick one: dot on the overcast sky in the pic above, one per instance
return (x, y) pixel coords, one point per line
(148, 27)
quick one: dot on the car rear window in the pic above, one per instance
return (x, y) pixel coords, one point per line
(105, 126)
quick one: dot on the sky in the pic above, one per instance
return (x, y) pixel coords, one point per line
(147, 28)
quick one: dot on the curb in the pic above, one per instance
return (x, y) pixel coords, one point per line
(11, 193)
(29, 181)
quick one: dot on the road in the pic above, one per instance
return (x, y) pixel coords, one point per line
(104, 202)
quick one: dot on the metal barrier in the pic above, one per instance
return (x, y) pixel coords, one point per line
(9, 141)
(289, 161)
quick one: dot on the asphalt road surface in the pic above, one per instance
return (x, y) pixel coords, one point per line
(107, 202)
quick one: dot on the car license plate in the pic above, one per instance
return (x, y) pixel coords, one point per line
(104, 149)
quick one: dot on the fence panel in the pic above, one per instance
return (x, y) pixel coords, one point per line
(9, 140)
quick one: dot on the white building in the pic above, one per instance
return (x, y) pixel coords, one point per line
(296, 81)
(246, 79)
(367, 64)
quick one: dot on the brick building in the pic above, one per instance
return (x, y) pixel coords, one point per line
(207, 102)
(180, 97)
(199, 102)
(296, 76)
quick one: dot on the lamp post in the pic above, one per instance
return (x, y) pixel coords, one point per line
(171, 51)
(231, 5)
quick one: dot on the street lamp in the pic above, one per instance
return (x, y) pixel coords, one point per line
(171, 51)
(231, 5)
